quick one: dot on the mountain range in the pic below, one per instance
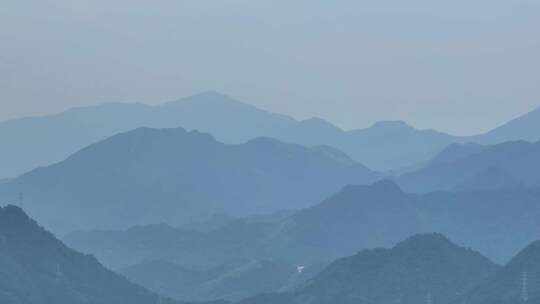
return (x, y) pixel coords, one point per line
(469, 167)
(391, 145)
(210, 199)
(496, 222)
(232, 281)
(173, 176)
(59, 135)
(425, 268)
(524, 127)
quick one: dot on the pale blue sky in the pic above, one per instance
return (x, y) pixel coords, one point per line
(458, 66)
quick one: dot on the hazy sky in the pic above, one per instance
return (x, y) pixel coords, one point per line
(461, 66)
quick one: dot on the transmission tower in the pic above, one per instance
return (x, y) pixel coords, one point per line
(429, 299)
(399, 292)
(58, 274)
(524, 287)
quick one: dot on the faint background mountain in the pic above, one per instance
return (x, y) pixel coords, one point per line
(57, 136)
(455, 152)
(173, 176)
(240, 241)
(496, 222)
(39, 141)
(385, 146)
(506, 165)
(420, 267)
(487, 179)
(190, 265)
(524, 127)
(233, 281)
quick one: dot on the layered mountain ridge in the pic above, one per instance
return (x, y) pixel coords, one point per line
(384, 146)
(422, 266)
(173, 176)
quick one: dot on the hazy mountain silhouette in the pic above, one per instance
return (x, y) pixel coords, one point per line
(386, 145)
(229, 120)
(506, 165)
(303, 238)
(38, 141)
(232, 281)
(524, 127)
(192, 265)
(38, 268)
(496, 222)
(239, 241)
(490, 178)
(59, 135)
(455, 152)
(173, 176)
(419, 267)
(517, 282)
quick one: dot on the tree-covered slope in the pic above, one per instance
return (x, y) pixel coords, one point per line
(173, 176)
(421, 267)
(36, 268)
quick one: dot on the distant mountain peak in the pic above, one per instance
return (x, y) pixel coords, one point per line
(456, 151)
(335, 154)
(385, 186)
(264, 140)
(404, 274)
(490, 179)
(524, 127)
(209, 98)
(382, 188)
(317, 121)
(396, 124)
(211, 93)
(432, 238)
(179, 131)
